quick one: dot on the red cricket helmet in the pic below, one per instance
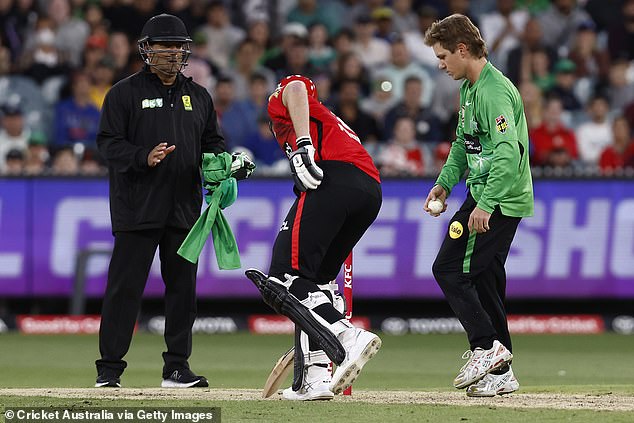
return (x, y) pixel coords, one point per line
(310, 85)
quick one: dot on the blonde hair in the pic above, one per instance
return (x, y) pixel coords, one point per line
(455, 29)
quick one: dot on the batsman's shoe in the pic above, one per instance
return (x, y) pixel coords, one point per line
(108, 380)
(480, 362)
(360, 346)
(492, 385)
(184, 378)
(316, 386)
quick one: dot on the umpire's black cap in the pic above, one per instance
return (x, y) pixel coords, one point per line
(164, 27)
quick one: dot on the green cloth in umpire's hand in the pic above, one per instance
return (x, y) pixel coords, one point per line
(222, 191)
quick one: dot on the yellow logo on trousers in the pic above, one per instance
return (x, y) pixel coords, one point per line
(455, 230)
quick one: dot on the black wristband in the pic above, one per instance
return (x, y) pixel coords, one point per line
(303, 142)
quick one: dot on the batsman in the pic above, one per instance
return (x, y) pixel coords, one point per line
(338, 196)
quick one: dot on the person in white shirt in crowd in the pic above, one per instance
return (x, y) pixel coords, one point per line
(222, 36)
(401, 67)
(14, 134)
(372, 50)
(502, 30)
(596, 134)
(414, 39)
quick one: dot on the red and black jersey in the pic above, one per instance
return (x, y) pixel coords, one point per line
(332, 138)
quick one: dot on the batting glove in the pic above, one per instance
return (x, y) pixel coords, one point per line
(306, 174)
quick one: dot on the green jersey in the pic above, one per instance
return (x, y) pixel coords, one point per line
(492, 142)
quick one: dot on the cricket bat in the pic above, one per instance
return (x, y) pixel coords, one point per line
(279, 373)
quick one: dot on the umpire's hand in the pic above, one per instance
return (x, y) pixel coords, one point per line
(158, 153)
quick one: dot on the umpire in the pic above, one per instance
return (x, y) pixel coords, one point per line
(154, 127)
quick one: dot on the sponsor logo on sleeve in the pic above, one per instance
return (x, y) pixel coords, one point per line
(500, 124)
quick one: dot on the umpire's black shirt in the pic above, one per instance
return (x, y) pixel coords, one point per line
(138, 113)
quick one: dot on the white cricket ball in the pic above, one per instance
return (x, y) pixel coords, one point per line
(435, 206)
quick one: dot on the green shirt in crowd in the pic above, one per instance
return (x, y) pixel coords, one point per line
(492, 142)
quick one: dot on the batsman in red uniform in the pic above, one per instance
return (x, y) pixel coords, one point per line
(338, 197)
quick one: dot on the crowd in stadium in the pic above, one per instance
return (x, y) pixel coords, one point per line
(573, 62)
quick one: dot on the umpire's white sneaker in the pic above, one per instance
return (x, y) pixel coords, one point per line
(492, 385)
(316, 386)
(360, 346)
(480, 362)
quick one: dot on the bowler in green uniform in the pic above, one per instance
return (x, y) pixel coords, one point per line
(492, 144)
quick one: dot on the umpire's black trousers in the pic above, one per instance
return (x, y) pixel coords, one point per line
(470, 270)
(130, 264)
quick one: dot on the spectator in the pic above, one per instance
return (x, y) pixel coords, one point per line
(372, 50)
(258, 31)
(119, 49)
(276, 58)
(426, 125)
(592, 62)
(539, 71)
(246, 64)
(347, 108)
(621, 153)
(401, 67)
(520, 59)
(90, 164)
(379, 101)
(446, 102)
(201, 70)
(350, 66)
(621, 34)
(414, 39)
(296, 59)
(45, 60)
(323, 83)
(343, 42)
(403, 19)
(14, 134)
(402, 156)
(270, 159)
(320, 54)
(222, 37)
(37, 155)
(227, 110)
(102, 81)
(240, 119)
(95, 50)
(620, 90)
(593, 136)
(382, 17)
(564, 87)
(502, 30)
(559, 23)
(441, 153)
(309, 12)
(533, 103)
(14, 163)
(65, 163)
(553, 143)
(71, 32)
(76, 118)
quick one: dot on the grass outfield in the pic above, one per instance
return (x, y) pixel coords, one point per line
(577, 371)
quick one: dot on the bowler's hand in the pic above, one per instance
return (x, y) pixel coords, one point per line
(479, 220)
(436, 193)
(158, 153)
